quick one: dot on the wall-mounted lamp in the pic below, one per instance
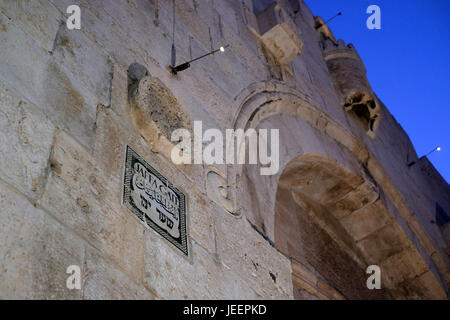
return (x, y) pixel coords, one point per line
(187, 64)
(434, 150)
(318, 26)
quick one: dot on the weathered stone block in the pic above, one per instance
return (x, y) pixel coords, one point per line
(201, 213)
(282, 43)
(403, 266)
(103, 280)
(367, 220)
(278, 34)
(363, 195)
(201, 277)
(34, 74)
(87, 64)
(249, 255)
(156, 113)
(423, 287)
(39, 19)
(36, 251)
(381, 245)
(26, 136)
(79, 195)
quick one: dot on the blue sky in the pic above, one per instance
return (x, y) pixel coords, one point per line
(407, 63)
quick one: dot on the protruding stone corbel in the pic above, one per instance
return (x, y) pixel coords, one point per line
(154, 110)
(279, 35)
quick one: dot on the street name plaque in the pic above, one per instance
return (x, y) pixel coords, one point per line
(154, 200)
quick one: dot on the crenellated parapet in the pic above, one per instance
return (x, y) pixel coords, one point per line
(349, 76)
(336, 50)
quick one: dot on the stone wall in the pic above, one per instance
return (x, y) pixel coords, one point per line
(66, 118)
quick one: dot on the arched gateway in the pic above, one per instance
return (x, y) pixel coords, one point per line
(324, 210)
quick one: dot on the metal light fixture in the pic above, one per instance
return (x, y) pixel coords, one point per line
(326, 22)
(434, 150)
(186, 65)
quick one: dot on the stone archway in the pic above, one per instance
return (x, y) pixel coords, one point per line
(332, 224)
(314, 195)
(409, 264)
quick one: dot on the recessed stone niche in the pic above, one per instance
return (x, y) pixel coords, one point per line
(154, 109)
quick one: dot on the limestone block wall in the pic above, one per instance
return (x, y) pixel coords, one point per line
(66, 119)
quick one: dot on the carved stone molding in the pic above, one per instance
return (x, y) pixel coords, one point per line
(219, 190)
